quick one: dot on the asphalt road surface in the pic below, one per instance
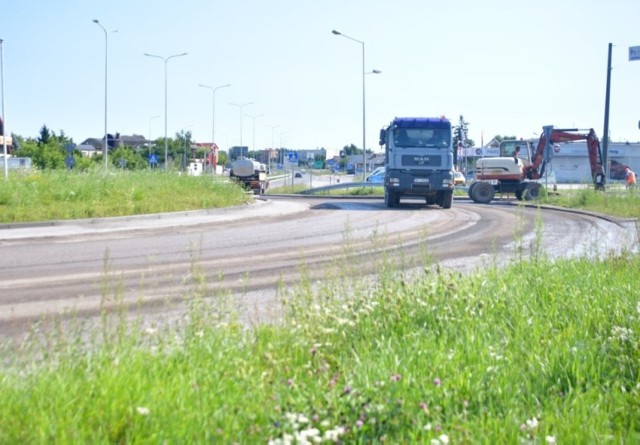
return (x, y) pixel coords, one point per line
(155, 263)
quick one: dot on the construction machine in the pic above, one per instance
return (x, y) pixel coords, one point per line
(518, 173)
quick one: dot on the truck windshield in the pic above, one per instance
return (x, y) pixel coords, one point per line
(422, 137)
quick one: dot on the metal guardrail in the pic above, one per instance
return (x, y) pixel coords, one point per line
(345, 185)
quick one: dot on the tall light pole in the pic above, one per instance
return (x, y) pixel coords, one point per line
(364, 125)
(213, 108)
(106, 60)
(3, 120)
(273, 127)
(241, 106)
(254, 127)
(166, 140)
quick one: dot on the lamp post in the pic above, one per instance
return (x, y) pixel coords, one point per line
(184, 146)
(364, 137)
(2, 121)
(166, 141)
(213, 121)
(106, 59)
(254, 127)
(273, 127)
(213, 108)
(241, 106)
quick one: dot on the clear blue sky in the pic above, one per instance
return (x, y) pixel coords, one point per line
(509, 67)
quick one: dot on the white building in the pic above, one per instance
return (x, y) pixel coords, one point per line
(570, 161)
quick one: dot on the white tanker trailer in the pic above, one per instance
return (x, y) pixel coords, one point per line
(252, 174)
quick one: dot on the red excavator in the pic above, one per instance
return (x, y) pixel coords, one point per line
(512, 173)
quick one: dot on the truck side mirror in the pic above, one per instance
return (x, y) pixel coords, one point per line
(383, 136)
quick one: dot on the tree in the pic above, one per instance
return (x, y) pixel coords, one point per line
(500, 138)
(43, 156)
(223, 157)
(45, 135)
(350, 150)
(461, 133)
(127, 159)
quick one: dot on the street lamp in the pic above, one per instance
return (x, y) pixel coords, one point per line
(241, 107)
(2, 120)
(364, 137)
(184, 146)
(166, 140)
(254, 127)
(213, 109)
(106, 46)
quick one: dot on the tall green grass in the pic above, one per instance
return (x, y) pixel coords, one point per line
(539, 352)
(55, 195)
(615, 201)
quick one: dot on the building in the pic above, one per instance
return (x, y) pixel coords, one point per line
(238, 151)
(135, 141)
(570, 161)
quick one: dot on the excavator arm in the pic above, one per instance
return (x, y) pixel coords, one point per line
(536, 169)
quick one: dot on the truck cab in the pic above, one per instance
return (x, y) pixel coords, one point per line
(418, 160)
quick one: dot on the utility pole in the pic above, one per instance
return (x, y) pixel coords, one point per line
(605, 136)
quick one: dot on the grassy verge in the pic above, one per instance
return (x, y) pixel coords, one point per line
(615, 201)
(536, 353)
(54, 195)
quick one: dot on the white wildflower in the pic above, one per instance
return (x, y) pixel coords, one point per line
(302, 419)
(143, 411)
(551, 440)
(621, 333)
(334, 434)
(309, 433)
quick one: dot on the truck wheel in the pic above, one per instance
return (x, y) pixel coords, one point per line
(482, 192)
(390, 198)
(446, 199)
(532, 191)
(470, 191)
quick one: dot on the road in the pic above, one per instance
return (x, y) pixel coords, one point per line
(156, 263)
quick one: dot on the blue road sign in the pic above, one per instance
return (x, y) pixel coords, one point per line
(153, 159)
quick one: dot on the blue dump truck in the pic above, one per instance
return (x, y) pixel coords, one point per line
(418, 160)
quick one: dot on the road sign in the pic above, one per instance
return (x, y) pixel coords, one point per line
(70, 161)
(293, 159)
(634, 53)
(153, 159)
